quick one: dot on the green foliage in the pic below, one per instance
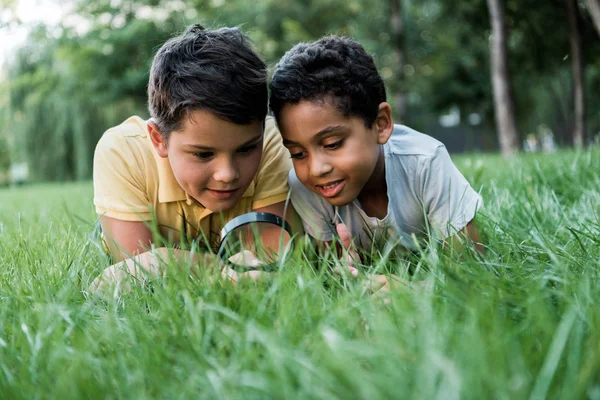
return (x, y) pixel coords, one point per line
(67, 86)
(4, 161)
(5, 148)
(538, 61)
(519, 322)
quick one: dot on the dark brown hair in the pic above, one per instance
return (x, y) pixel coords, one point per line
(202, 69)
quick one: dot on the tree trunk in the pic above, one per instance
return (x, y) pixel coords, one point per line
(577, 67)
(397, 23)
(594, 9)
(503, 101)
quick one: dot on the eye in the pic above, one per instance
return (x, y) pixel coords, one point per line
(298, 155)
(204, 155)
(334, 145)
(247, 149)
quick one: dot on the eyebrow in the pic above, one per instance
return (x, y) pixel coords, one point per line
(252, 141)
(318, 135)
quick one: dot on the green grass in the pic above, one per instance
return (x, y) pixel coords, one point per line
(521, 322)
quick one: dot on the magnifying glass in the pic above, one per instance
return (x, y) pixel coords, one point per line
(255, 241)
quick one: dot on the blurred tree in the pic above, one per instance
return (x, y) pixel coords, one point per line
(593, 7)
(503, 98)
(577, 72)
(7, 13)
(538, 63)
(5, 147)
(397, 43)
(546, 60)
(69, 83)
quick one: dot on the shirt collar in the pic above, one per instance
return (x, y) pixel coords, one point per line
(168, 187)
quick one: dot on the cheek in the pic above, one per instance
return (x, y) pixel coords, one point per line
(249, 166)
(301, 169)
(189, 173)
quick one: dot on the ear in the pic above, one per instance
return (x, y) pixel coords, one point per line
(158, 140)
(384, 124)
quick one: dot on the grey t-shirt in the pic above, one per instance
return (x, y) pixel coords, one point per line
(426, 194)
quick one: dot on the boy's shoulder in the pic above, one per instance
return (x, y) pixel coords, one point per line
(133, 129)
(271, 129)
(406, 141)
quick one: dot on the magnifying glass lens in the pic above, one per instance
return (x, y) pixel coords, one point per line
(256, 245)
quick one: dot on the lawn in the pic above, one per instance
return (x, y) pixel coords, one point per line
(520, 322)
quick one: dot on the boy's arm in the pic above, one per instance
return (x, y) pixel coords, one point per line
(149, 264)
(125, 238)
(469, 234)
(449, 200)
(380, 285)
(121, 194)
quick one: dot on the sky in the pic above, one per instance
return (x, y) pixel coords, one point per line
(30, 12)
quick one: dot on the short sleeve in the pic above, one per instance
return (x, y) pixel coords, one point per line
(119, 184)
(317, 214)
(271, 181)
(450, 201)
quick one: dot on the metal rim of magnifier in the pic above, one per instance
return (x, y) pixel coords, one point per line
(245, 219)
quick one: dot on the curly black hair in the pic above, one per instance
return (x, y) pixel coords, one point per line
(336, 69)
(207, 69)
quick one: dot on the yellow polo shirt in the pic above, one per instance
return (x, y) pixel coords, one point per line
(133, 183)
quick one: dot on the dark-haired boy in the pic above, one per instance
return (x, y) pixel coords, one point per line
(354, 170)
(207, 155)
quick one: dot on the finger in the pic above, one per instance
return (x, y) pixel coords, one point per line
(349, 266)
(95, 286)
(376, 282)
(229, 274)
(255, 262)
(256, 275)
(349, 255)
(110, 278)
(246, 258)
(382, 295)
(344, 235)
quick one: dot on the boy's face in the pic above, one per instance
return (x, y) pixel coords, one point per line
(213, 160)
(333, 155)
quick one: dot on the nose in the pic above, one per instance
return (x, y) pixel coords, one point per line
(319, 165)
(226, 171)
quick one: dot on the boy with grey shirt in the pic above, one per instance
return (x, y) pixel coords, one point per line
(355, 172)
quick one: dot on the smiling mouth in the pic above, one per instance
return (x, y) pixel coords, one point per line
(331, 189)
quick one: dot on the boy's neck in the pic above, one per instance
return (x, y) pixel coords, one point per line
(373, 197)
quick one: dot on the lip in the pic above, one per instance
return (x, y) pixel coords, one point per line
(331, 189)
(222, 194)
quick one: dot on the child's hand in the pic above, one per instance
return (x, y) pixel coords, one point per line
(255, 275)
(381, 285)
(136, 269)
(349, 254)
(245, 258)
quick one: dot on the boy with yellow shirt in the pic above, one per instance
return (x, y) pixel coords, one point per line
(207, 155)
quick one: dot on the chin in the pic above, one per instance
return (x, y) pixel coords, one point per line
(222, 206)
(215, 206)
(339, 202)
